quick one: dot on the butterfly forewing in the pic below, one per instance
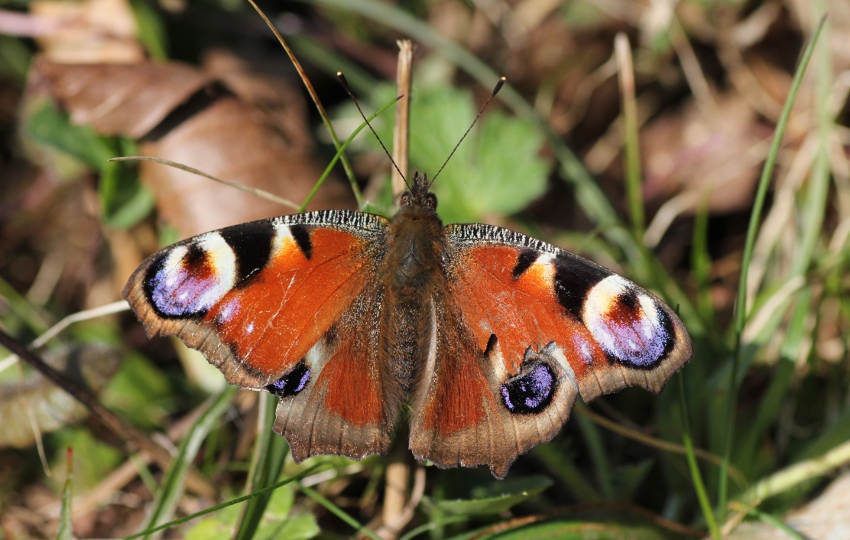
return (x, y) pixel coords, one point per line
(279, 305)
(529, 293)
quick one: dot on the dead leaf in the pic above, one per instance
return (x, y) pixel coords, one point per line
(180, 113)
(116, 99)
(227, 141)
(88, 31)
(687, 152)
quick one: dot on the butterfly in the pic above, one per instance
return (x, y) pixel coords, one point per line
(488, 335)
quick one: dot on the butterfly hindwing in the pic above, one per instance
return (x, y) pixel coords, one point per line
(341, 411)
(278, 305)
(528, 327)
(459, 414)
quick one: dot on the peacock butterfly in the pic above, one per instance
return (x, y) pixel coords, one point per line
(489, 335)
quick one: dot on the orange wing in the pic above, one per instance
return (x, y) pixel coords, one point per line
(526, 326)
(280, 305)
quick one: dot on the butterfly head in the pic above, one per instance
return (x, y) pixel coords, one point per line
(419, 195)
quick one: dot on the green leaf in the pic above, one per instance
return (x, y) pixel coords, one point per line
(139, 391)
(298, 527)
(50, 126)
(276, 523)
(496, 169)
(500, 497)
(218, 527)
(566, 529)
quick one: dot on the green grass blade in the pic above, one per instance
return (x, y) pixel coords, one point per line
(628, 111)
(403, 21)
(25, 312)
(776, 394)
(799, 473)
(338, 512)
(567, 474)
(152, 31)
(331, 61)
(701, 265)
(171, 489)
(817, 187)
(218, 507)
(270, 452)
(66, 528)
(349, 172)
(432, 526)
(752, 231)
(778, 524)
(601, 464)
(339, 155)
(696, 476)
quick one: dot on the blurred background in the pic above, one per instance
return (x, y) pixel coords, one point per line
(749, 440)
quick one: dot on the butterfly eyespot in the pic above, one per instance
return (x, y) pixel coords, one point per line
(189, 279)
(292, 383)
(628, 324)
(531, 390)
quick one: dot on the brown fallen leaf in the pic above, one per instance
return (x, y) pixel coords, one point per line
(119, 99)
(686, 152)
(88, 31)
(226, 141)
(183, 114)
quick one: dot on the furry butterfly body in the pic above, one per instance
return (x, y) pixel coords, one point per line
(489, 335)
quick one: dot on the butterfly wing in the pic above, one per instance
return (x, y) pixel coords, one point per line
(523, 328)
(283, 305)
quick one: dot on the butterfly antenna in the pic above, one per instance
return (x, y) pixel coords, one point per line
(347, 88)
(492, 95)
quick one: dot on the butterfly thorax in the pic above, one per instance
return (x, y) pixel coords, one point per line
(414, 243)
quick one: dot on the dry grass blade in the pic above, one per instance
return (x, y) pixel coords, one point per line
(316, 101)
(253, 191)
